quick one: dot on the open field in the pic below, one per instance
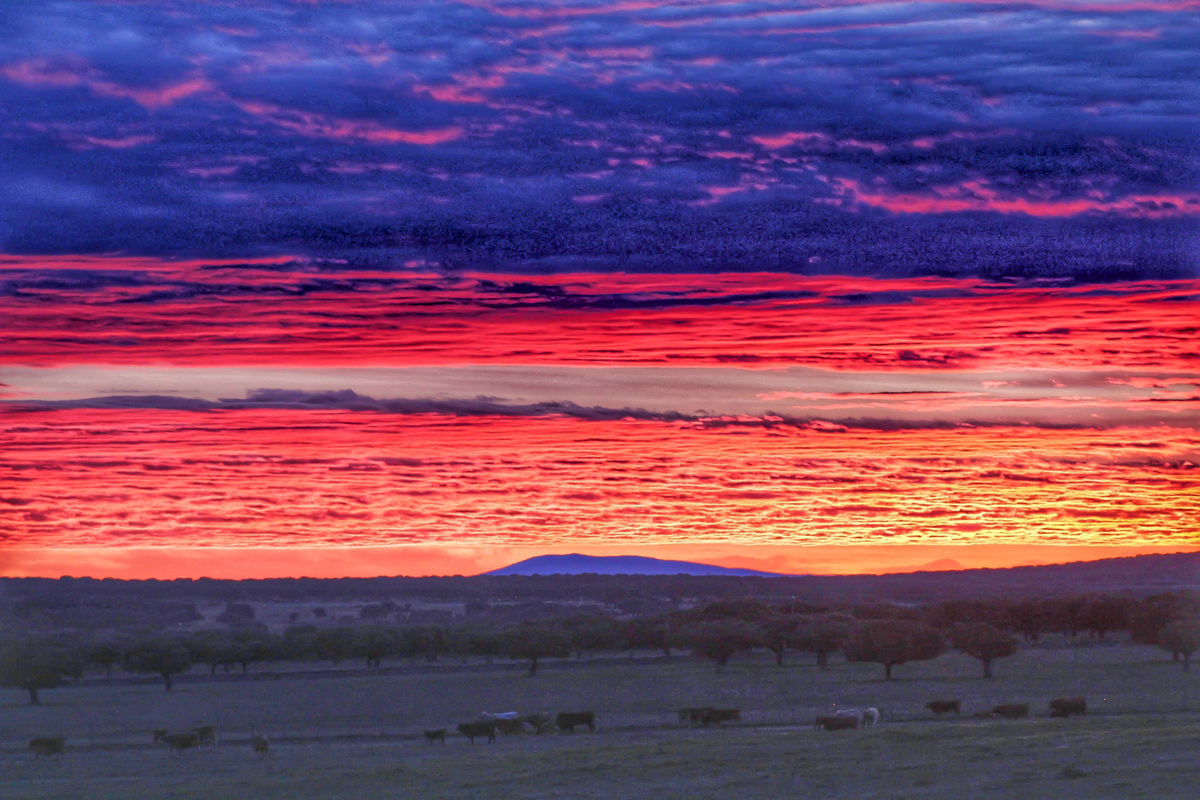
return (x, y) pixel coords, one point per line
(359, 737)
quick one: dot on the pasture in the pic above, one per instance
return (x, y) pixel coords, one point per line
(361, 737)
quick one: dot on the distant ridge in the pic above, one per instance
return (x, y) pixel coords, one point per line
(940, 565)
(578, 564)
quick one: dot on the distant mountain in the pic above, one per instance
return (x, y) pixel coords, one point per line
(577, 564)
(940, 565)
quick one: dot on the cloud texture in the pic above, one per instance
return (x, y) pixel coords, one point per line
(493, 276)
(996, 138)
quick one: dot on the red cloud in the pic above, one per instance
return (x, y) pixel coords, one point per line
(234, 313)
(977, 196)
(311, 124)
(62, 75)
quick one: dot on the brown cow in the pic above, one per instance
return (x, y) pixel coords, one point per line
(1066, 706)
(837, 723)
(48, 745)
(510, 725)
(1011, 710)
(473, 729)
(567, 720)
(693, 716)
(436, 735)
(940, 707)
(715, 716)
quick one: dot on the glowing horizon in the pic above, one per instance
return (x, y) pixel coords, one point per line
(415, 286)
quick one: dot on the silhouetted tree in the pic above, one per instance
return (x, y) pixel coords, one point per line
(1030, 618)
(893, 642)
(334, 645)
(249, 645)
(33, 665)
(1063, 614)
(211, 647)
(423, 640)
(1181, 636)
(778, 634)
(1149, 616)
(1105, 613)
(104, 655)
(592, 633)
(373, 644)
(298, 642)
(534, 641)
(984, 642)
(718, 639)
(163, 657)
(475, 640)
(823, 634)
(648, 632)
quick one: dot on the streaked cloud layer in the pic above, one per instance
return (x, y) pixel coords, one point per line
(234, 478)
(135, 311)
(488, 277)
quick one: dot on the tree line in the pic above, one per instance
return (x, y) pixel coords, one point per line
(888, 635)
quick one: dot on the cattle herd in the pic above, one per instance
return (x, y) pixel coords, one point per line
(1060, 707)
(488, 725)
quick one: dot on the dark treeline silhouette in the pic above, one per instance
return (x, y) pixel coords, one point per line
(50, 639)
(886, 633)
(167, 601)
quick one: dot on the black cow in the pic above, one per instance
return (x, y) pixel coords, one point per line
(181, 741)
(474, 729)
(48, 745)
(567, 720)
(1011, 710)
(715, 716)
(207, 733)
(541, 723)
(1066, 706)
(940, 707)
(436, 735)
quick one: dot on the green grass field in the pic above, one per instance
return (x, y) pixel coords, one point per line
(359, 737)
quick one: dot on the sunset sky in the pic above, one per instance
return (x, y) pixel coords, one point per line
(427, 288)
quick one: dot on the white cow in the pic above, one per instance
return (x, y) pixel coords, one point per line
(867, 717)
(484, 716)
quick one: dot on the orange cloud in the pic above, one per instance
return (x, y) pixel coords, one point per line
(312, 479)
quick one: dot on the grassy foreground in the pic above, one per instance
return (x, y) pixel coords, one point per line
(360, 737)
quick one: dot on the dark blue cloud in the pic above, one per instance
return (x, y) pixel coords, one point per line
(1023, 139)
